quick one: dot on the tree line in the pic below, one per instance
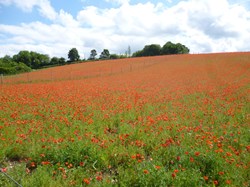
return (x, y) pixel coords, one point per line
(25, 61)
(168, 49)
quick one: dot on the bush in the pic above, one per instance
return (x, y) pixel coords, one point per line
(11, 68)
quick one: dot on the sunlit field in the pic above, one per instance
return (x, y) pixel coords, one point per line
(177, 120)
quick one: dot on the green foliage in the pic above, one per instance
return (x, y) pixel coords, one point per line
(32, 59)
(105, 54)
(171, 48)
(54, 60)
(151, 50)
(73, 55)
(9, 67)
(25, 61)
(24, 57)
(62, 61)
(138, 53)
(167, 49)
(93, 54)
(57, 61)
(114, 56)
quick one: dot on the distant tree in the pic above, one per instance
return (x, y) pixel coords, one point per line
(45, 59)
(39, 60)
(138, 53)
(6, 59)
(32, 59)
(35, 60)
(73, 55)
(24, 57)
(62, 61)
(114, 56)
(182, 49)
(8, 66)
(151, 50)
(171, 48)
(93, 54)
(54, 60)
(168, 48)
(105, 54)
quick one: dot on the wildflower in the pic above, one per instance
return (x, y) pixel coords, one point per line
(70, 166)
(191, 159)
(145, 171)
(216, 182)
(99, 178)
(173, 175)
(45, 163)
(133, 157)
(158, 167)
(248, 148)
(4, 170)
(33, 164)
(81, 164)
(205, 178)
(197, 153)
(219, 145)
(86, 181)
(221, 173)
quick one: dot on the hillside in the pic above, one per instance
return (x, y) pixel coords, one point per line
(116, 67)
(177, 120)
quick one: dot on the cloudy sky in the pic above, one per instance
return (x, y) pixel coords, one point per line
(54, 26)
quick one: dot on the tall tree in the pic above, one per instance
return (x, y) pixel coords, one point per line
(54, 60)
(6, 59)
(62, 61)
(73, 55)
(93, 53)
(182, 49)
(171, 48)
(105, 54)
(138, 53)
(38, 60)
(152, 50)
(24, 57)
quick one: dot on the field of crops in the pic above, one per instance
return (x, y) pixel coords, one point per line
(178, 120)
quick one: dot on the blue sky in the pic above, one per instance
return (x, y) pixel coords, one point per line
(14, 15)
(55, 26)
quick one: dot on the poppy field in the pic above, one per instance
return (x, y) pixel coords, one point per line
(176, 120)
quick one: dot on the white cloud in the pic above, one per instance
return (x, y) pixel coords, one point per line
(25, 5)
(203, 26)
(121, 2)
(44, 6)
(47, 10)
(66, 19)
